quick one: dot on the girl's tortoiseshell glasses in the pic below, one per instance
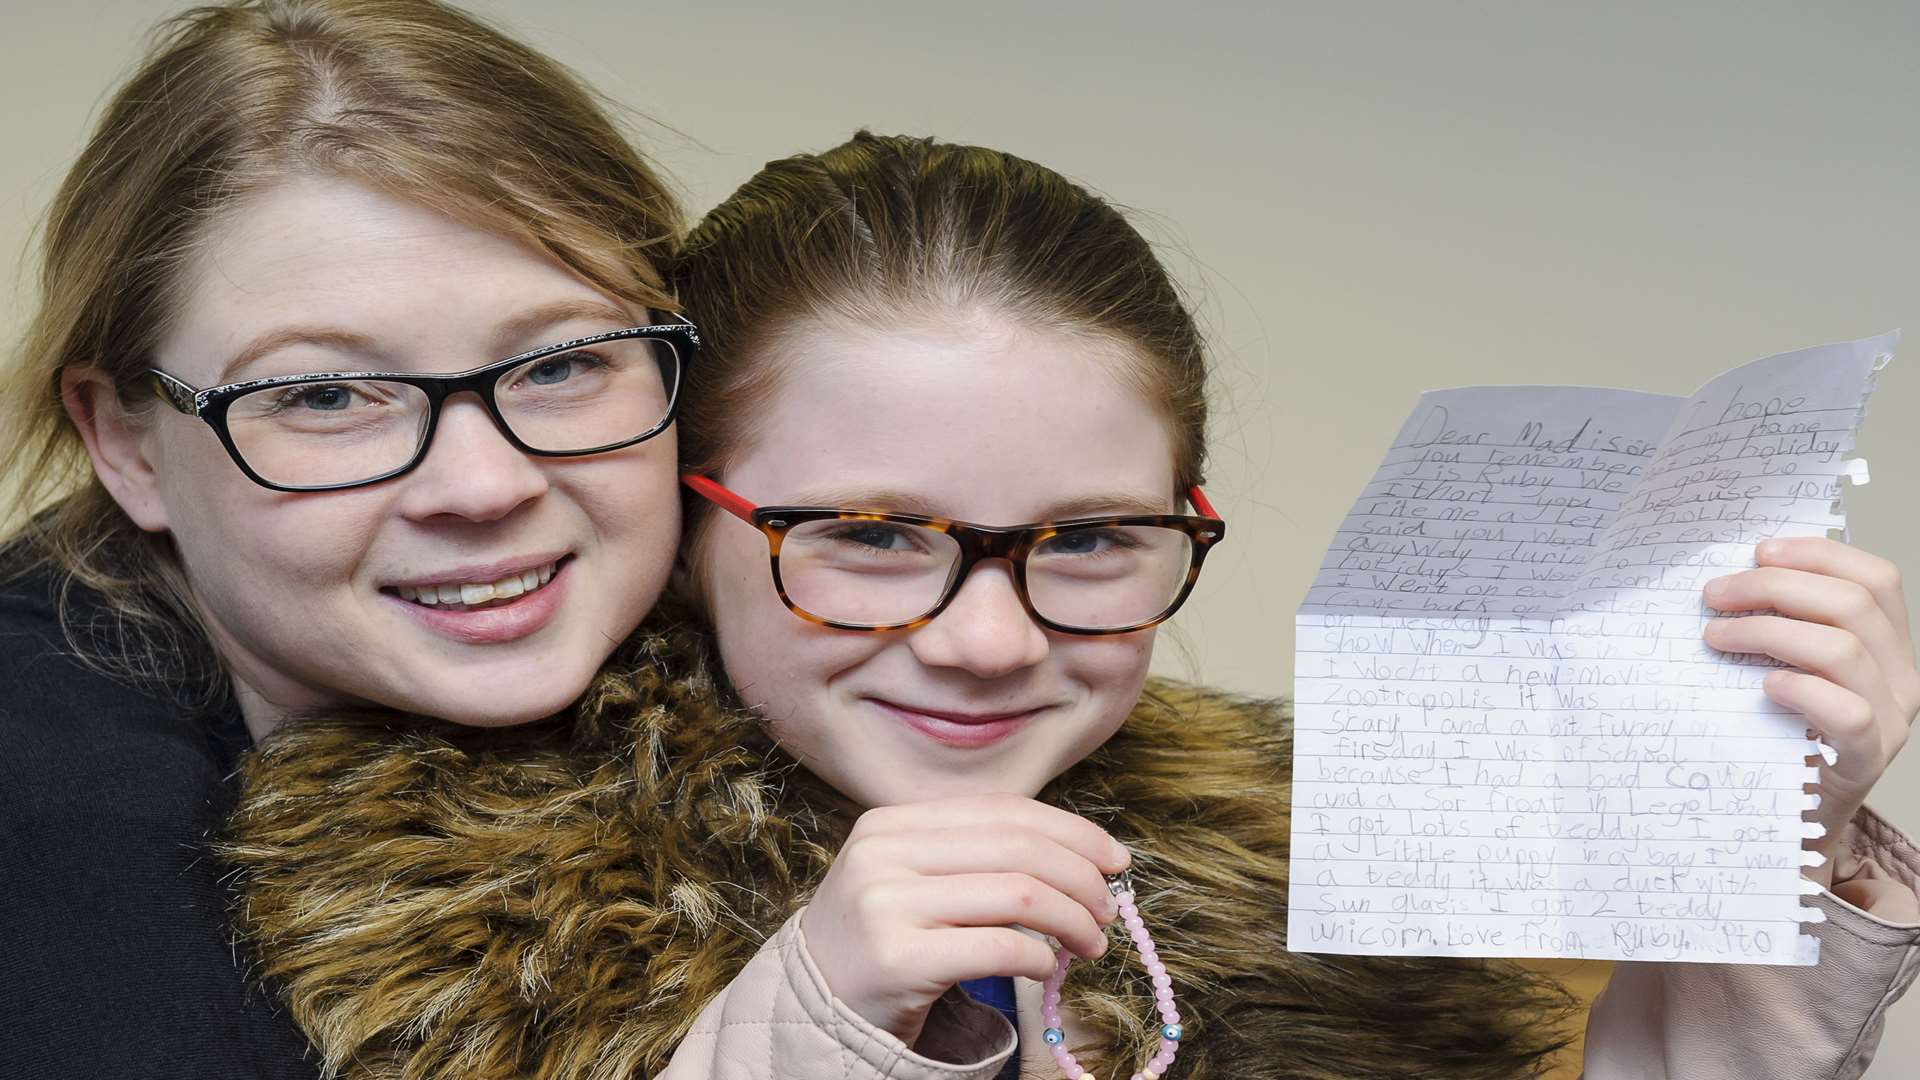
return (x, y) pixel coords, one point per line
(871, 570)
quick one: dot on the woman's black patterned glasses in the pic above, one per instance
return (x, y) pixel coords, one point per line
(342, 429)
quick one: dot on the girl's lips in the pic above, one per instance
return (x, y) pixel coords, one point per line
(497, 623)
(966, 730)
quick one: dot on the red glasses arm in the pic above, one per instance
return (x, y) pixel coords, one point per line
(721, 497)
(1199, 500)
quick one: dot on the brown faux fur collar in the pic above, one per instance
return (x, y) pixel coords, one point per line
(560, 900)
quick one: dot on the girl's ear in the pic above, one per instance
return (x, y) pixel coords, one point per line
(693, 564)
(684, 582)
(117, 444)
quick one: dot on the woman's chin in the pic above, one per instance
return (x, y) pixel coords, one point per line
(504, 720)
(482, 707)
(506, 690)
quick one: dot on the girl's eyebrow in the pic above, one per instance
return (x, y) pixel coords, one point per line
(1125, 503)
(1118, 503)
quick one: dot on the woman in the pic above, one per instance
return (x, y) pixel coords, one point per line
(285, 187)
(905, 337)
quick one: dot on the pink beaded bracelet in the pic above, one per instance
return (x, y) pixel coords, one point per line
(1121, 885)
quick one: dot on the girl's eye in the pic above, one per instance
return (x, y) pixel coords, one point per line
(1087, 542)
(878, 535)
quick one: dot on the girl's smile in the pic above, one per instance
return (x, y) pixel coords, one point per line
(966, 730)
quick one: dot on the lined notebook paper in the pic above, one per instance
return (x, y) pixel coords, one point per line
(1510, 739)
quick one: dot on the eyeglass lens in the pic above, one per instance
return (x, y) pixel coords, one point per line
(326, 433)
(879, 573)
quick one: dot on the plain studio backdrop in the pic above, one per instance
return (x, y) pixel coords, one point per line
(1364, 200)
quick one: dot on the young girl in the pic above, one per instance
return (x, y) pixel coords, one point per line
(951, 406)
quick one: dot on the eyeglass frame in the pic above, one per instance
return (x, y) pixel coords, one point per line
(211, 404)
(977, 543)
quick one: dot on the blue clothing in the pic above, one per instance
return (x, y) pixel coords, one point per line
(116, 955)
(998, 992)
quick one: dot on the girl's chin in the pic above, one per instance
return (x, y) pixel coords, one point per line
(908, 788)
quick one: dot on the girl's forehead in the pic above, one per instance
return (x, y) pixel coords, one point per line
(965, 364)
(995, 423)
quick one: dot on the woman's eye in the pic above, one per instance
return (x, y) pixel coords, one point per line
(318, 398)
(558, 369)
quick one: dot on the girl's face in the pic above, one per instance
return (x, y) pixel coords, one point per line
(303, 592)
(967, 419)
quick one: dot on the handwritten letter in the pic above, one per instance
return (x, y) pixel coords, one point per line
(1510, 739)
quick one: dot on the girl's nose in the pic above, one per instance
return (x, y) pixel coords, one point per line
(985, 631)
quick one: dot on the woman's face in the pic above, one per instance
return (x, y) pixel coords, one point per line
(302, 592)
(967, 419)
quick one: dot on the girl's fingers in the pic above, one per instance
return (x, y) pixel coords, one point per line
(941, 854)
(1820, 555)
(1003, 899)
(979, 952)
(1830, 602)
(1836, 654)
(988, 813)
(1845, 721)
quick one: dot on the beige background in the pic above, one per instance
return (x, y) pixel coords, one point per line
(1367, 200)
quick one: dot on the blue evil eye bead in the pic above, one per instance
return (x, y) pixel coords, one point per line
(1171, 1032)
(1054, 1036)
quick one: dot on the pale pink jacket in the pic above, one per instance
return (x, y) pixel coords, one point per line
(777, 1020)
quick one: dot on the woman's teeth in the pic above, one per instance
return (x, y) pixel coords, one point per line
(472, 594)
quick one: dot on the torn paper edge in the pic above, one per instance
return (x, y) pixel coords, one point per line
(1853, 473)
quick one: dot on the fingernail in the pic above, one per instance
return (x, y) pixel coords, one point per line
(1767, 549)
(1121, 856)
(1716, 587)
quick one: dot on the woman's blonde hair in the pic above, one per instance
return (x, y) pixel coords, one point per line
(411, 96)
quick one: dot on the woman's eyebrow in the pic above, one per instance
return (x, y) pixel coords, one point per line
(527, 323)
(274, 340)
(518, 328)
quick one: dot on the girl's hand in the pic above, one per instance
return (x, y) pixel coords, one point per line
(924, 895)
(1843, 623)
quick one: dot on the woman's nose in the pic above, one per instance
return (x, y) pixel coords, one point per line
(471, 471)
(986, 630)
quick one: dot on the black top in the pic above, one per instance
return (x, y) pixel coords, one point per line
(116, 953)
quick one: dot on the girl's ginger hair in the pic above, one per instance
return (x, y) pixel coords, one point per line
(885, 230)
(413, 97)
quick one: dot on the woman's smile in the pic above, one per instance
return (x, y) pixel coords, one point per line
(514, 604)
